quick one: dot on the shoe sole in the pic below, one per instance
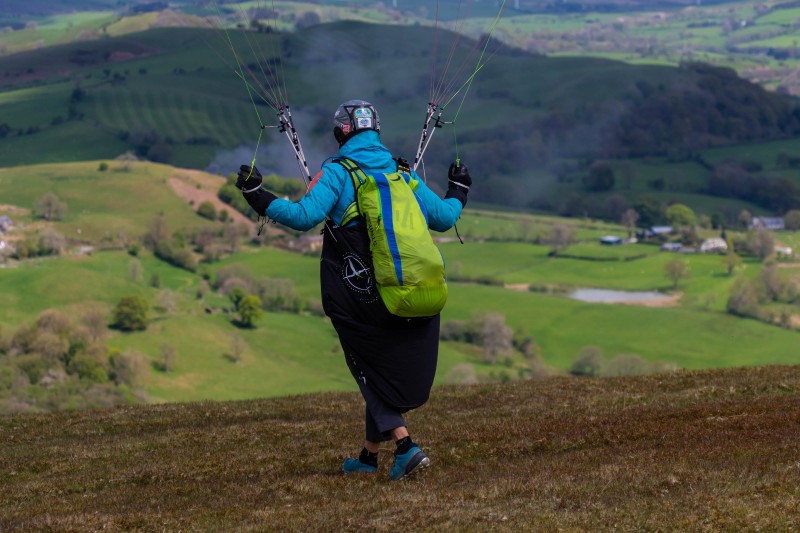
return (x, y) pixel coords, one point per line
(358, 471)
(416, 465)
(349, 472)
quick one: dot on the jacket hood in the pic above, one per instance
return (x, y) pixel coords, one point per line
(367, 150)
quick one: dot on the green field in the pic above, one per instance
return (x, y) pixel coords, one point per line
(293, 353)
(56, 29)
(288, 354)
(285, 354)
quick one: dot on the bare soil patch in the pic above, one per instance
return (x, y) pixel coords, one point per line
(197, 187)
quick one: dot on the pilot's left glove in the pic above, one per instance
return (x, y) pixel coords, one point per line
(458, 183)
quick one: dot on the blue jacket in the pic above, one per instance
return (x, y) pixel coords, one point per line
(331, 190)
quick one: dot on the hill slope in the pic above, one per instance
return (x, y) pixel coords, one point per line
(530, 127)
(691, 451)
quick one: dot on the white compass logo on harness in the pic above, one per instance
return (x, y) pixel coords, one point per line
(356, 274)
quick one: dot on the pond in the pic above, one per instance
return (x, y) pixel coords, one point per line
(607, 296)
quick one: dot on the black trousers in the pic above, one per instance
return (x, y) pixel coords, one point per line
(394, 357)
(380, 418)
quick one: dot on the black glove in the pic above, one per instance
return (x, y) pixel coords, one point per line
(458, 176)
(248, 180)
(258, 198)
(459, 182)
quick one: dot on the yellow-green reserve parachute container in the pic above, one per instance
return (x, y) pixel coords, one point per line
(409, 268)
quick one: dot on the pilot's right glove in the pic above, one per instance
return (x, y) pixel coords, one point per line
(248, 179)
(249, 182)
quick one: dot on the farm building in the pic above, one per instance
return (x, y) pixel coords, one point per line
(306, 243)
(671, 247)
(611, 240)
(714, 245)
(770, 223)
(660, 232)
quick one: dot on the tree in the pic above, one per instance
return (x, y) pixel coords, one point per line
(560, 237)
(88, 368)
(131, 314)
(462, 374)
(629, 219)
(278, 294)
(50, 346)
(232, 233)
(772, 285)
(135, 270)
(236, 295)
(157, 233)
(54, 321)
(627, 365)
(95, 323)
(731, 261)
(617, 204)
(792, 219)
(743, 298)
(128, 368)
(497, 336)
(745, 219)
(600, 177)
(167, 300)
(207, 210)
(588, 363)
(676, 270)
(238, 346)
(679, 215)
(168, 357)
(649, 211)
(51, 242)
(249, 309)
(50, 207)
(761, 243)
(628, 175)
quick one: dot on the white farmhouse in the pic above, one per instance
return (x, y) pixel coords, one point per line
(714, 245)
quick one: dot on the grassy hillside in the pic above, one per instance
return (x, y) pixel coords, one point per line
(713, 450)
(118, 203)
(291, 353)
(529, 129)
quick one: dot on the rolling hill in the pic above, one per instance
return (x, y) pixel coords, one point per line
(530, 127)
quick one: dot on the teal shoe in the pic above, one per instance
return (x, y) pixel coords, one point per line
(351, 465)
(409, 463)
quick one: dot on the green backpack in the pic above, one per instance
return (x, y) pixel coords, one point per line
(409, 268)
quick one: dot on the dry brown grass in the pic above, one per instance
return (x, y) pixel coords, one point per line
(701, 451)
